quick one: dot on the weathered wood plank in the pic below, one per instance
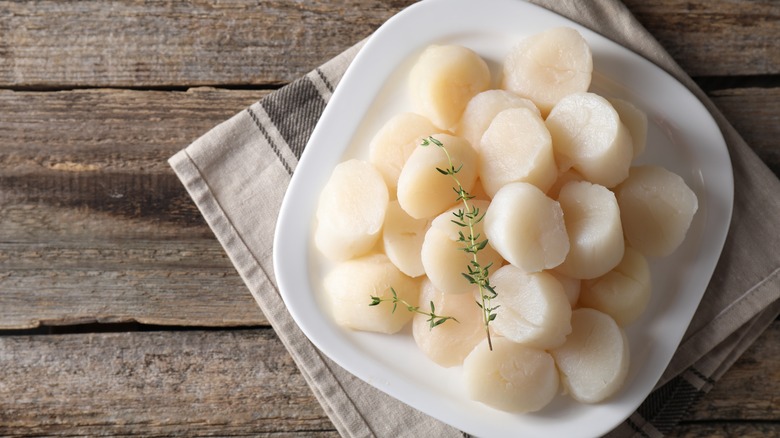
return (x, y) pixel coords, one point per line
(186, 383)
(81, 132)
(242, 382)
(715, 38)
(58, 44)
(748, 429)
(64, 43)
(94, 225)
(755, 113)
(184, 282)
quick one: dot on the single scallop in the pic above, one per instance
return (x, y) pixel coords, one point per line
(635, 120)
(351, 210)
(526, 227)
(587, 134)
(402, 237)
(481, 110)
(450, 342)
(423, 191)
(512, 377)
(516, 147)
(594, 360)
(657, 208)
(533, 308)
(572, 286)
(351, 284)
(549, 65)
(622, 293)
(444, 79)
(595, 231)
(443, 256)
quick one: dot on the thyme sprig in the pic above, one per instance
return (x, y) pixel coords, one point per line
(433, 319)
(472, 243)
(468, 217)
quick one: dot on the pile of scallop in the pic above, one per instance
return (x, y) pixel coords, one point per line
(570, 222)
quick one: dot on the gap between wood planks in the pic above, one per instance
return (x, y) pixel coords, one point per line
(715, 83)
(119, 327)
(173, 88)
(706, 83)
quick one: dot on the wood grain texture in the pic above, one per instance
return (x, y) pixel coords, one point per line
(82, 131)
(715, 38)
(185, 383)
(243, 383)
(727, 429)
(134, 43)
(755, 114)
(188, 283)
(131, 43)
(106, 151)
(94, 225)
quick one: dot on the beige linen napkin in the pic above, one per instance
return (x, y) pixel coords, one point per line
(237, 174)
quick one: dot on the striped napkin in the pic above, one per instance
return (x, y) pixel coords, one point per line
(244, 165)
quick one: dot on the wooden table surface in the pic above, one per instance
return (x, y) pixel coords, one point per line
(120, 314)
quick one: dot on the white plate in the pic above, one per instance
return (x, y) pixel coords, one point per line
(682, 137)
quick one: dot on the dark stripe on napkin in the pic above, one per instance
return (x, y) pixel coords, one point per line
(669, 404)
(274, 146)
(294, 110)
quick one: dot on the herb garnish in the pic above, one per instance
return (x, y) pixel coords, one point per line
(467, 217)
(433, 319)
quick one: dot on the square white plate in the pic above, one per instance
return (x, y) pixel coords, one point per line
(682, 136)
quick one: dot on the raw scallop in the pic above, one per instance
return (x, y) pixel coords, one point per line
(656, 207)
(450, 342)
(636, 122)
(549, 65)
(395, 141)
(350, 285)
(351, 210)
(511, 377)
(572, 286)
(622, 293)
(516, 147)
(443, 257)
(402, 237)
(587, 134)
(593, 361)
(444, 79)
(423, 191)
(595, 232)
(533, 308)
(526, 227)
